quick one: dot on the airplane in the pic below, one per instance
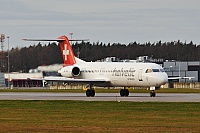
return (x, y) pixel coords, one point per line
(106, 74)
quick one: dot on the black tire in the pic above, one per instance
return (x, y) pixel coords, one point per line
(126, 92)
(151, 94)
(122, 92)
(154, 94)
(88, 94)
(92, 93)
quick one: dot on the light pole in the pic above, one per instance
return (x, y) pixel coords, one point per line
(2, 37)
(71, 34)
(8, 55)
(179, 71)
(8, 63)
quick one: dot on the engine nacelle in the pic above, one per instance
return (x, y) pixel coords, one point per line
(76, 71)
(70, 71)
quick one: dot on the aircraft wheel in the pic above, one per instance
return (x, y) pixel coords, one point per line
(152, 94)
(126, 92)
(92, 93)
(88, 94)
(122, 92)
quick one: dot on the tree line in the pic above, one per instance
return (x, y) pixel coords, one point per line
(26, 58)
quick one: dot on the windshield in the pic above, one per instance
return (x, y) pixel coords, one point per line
(154, 70)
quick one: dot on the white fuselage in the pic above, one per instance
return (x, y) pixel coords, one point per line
(120, 74)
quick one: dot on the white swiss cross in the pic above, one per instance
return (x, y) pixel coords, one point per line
(65, 51)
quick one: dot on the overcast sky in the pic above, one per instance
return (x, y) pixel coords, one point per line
(106, 21)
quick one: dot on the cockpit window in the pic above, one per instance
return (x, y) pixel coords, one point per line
(156, 70)
(148, 70)
(162, 70)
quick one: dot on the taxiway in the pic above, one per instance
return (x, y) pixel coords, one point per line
(135, 97)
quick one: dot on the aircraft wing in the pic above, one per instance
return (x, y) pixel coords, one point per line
(181, 78)
(188, 78)
(72, 80)
(174, 78)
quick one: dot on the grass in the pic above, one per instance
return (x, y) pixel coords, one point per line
(163, 90)
(98, 116)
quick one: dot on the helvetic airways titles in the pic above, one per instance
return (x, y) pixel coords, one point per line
(124, 72)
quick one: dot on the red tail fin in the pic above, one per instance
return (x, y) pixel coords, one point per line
(65, 47)
(67, 52)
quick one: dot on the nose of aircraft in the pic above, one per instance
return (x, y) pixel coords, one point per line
(163, 79)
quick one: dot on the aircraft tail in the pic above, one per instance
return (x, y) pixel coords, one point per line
(65, 47)
(67, 52)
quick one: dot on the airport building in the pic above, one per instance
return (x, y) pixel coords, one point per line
(24, 79)
(190, 71)
(2, 80)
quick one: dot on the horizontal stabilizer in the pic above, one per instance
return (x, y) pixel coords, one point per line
(58, 40)
(44, 40)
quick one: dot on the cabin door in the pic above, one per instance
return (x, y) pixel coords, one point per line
(140, 75)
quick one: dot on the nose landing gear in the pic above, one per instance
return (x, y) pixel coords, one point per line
(153, 93)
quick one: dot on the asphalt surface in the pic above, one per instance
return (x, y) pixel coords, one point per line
(135, 97)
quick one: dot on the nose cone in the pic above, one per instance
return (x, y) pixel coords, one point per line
(163, 79)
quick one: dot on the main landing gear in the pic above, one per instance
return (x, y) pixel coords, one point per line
(124, 92)
(152, 94)
(90, 92)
